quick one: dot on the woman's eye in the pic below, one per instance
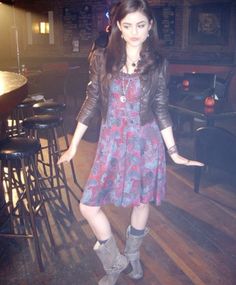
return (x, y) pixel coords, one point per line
(126, 27)
(141, 26)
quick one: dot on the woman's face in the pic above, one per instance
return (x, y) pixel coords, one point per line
(134, 28)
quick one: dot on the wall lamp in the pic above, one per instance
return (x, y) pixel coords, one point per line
(41, 27)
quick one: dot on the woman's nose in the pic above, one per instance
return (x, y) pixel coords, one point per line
(134, 30)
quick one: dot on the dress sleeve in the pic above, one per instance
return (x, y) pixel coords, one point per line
(90, 106)
(160, 101)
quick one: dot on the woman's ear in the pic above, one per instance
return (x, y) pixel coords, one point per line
(150, 25)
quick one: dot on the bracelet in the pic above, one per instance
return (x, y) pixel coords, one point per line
(172, 150)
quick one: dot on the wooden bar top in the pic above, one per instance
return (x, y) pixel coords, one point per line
(13, 89)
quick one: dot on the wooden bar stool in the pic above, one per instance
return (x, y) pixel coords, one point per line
(19, 175)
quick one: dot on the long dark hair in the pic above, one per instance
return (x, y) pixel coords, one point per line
(116, 53)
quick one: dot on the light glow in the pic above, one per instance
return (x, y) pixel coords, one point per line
(44, 28)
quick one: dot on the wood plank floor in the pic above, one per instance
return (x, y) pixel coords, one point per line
(192, 239)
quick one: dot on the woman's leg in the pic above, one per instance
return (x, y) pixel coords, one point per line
(139, 216)
(97, 221)
(106, 249)
(134, 237)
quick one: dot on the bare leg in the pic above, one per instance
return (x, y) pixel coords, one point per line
(97, 221)
(139, 216)
(113, 262)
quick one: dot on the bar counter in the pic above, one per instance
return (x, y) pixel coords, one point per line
(13, 90)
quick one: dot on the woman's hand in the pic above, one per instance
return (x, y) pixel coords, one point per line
(178, 159)
(67, 155)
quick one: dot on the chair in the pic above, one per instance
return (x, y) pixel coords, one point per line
(198, 87)
(20, 178)
(222, 86)
(52, 78)
(75, 85)
(215, 147)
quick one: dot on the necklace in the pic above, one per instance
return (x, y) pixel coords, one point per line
(124, 89)
(133, 63)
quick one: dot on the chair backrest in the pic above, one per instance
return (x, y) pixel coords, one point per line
(55, 66)
(201, 80)
(222, 86)
(216, 147)
(75, 84)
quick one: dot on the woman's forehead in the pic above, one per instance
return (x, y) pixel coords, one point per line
(134, 17)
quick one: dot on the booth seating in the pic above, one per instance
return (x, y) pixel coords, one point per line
(20, 178)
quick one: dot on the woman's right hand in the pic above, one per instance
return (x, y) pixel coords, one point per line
(67, 155)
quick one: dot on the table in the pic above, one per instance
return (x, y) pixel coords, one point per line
(13, 89)
(196, 109)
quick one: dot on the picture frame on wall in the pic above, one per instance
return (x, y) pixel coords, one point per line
(209, 24)
(165, 18)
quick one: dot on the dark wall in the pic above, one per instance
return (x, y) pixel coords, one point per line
(187, 46)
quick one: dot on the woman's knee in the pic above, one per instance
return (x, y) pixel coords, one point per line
(141, 207)
(88, 211)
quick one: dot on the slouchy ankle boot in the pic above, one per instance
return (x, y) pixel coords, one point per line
(132, 252)
(113, 262)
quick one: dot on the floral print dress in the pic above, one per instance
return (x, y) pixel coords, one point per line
(129, 167)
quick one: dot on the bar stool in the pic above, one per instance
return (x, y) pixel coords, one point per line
(45, 126)
(57, 108)
(19, 174)
(49, 107)
(15, 119)
(22, 110)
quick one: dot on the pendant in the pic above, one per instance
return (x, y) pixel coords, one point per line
(122, 99)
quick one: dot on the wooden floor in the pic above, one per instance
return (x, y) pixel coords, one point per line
(192, 237)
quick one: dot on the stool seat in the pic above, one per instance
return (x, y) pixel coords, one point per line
(48, 107)
(27, 102)
(18, 148)
(42, 122)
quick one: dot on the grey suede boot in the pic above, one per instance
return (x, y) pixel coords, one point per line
(113, 262)
(132, 252)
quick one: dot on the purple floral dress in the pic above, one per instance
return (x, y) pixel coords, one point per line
(129, 167)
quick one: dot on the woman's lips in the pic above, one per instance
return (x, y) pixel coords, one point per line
(133, 39)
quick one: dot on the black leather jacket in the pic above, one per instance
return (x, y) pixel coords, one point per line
(154, 98)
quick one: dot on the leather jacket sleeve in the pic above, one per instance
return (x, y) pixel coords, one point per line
(160, 99)
(90, 107)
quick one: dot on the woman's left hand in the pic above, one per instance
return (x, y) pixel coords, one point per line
(178, 159)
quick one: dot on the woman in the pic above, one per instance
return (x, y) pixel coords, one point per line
(128, 85)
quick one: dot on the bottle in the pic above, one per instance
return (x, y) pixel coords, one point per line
(23, 69)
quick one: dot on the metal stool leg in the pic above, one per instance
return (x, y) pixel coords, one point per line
(32, 219)
(71, 162)
(41, 199)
